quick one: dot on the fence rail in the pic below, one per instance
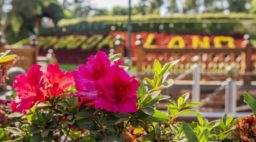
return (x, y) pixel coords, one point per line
(213, 61)
(222, 64)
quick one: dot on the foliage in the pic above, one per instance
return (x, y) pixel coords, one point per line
(6, 61)
(245, 127)
(72, 42)
(251, 101)
(119, 11)
(82, 8)
(253, 8)
(71, 117)
(68, 67)
(199, 24)
(22, 20)
(238, 6)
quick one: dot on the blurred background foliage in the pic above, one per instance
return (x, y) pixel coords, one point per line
(21, 18)
(217, 23)
(24, 17)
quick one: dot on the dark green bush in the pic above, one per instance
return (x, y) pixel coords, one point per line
(179, 24)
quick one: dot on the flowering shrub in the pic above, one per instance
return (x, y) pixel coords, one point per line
(106, 85)
(246, 127)
(36, 86)
(100, 101)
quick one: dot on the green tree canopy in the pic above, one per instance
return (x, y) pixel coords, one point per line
(25, 17)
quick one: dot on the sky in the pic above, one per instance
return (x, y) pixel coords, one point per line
(108, 4)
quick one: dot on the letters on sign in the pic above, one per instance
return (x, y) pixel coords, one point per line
(150, 40)
(160, 40)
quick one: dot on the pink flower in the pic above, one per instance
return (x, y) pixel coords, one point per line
(117, 92)
(30, 89)
(87, 75)
(106, 85)
(36, 86)
(57, 80)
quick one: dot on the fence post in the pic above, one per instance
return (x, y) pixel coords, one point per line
(33, 43)
(51, 57)
(119, 46)
(196, 80)
(140, 53)
(231, 90)
(248, 63)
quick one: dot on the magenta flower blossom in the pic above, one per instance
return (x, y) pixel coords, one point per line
(29, 89)
(117, 92)
(87, 75)
(107, 85)
(57, 80)
(36, 86)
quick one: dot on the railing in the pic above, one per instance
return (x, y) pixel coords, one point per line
(213, 61)
(28, 55)
(225, 65)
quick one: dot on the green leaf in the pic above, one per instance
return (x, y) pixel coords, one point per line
(168, 66)
(165, 68)
(82, 114)
(166, 84)
(160, 115)
(186, 112)
(204, 135)
(38, 10)
(229, 120)
(155, 94)
(225, 117)
(148, 110)
(153, 101)
(172, 105)
(250, 100)
(164, 97)
(173, 112)
(109, 120)
(191, 136)
(7, 58)
(119, 115)
(200, 118)
(187, 105)
(141, 90)
(157, 67)
(85, 123)
(150, 82)
(115, 57)
(16, 23)
(2, 134)
(180, 101)
(145, 100)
